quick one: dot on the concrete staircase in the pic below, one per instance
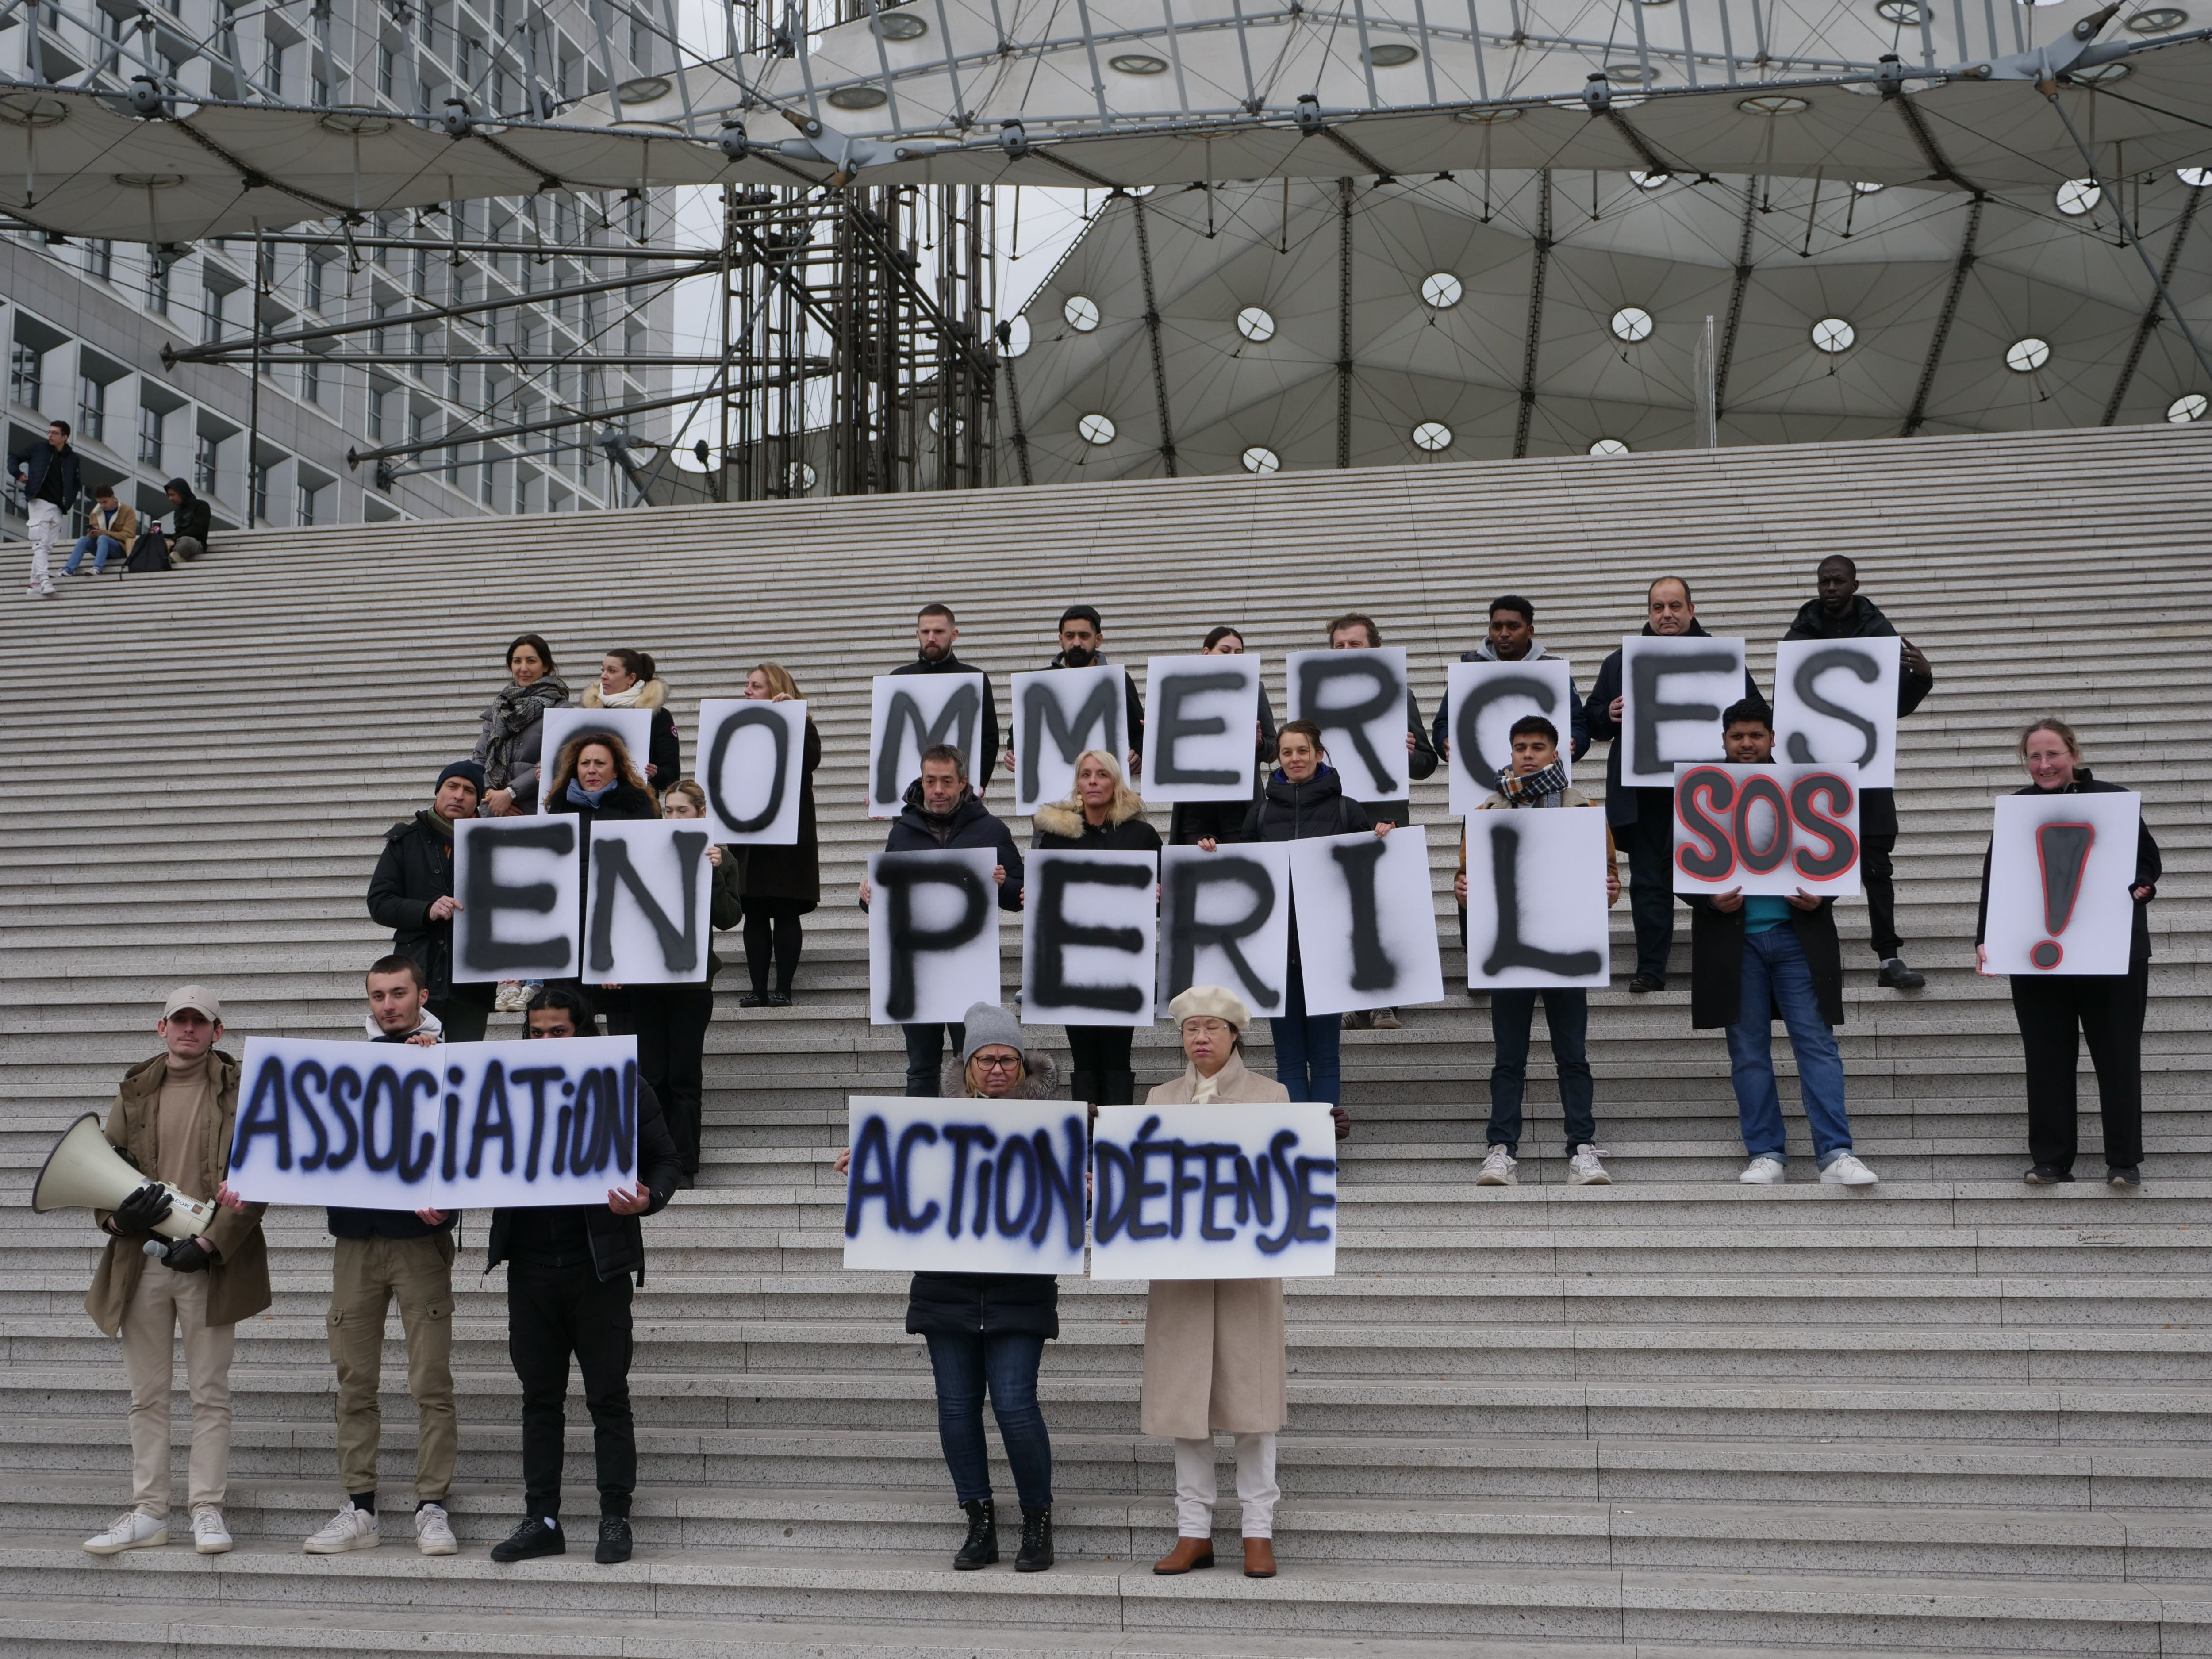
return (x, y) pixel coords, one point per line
(1948, 1416)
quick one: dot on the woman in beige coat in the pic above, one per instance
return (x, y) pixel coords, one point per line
(1213, 1347)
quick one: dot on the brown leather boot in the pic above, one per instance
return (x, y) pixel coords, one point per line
(1259, 1557)
(1188, 1555)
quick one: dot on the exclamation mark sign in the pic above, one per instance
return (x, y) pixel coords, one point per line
(2063, 850)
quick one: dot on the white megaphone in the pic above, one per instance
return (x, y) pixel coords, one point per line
(84, 1171)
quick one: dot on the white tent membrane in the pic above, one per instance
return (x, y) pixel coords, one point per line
(1778, 90)
(1248, 282)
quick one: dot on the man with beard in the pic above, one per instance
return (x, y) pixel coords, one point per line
(1082, 645)
(935, 634)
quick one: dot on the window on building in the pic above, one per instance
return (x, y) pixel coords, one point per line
(385, 66)
(206, 454)
(227, 27)
(454, 382)
(111, 56)
(99, 259)
(319, 91)
(91, 409)
(311, 285)
(213, 301)
(423, 15)
(150, 422)
(25, 367)
(637, 48)
(376, 395)
(157, 288)
(307, 495)
(260, 508)
(311, 382)
(419, 276)
(415, 425)
(272, 71)
(487, 485)
(521, 490)
(563, 69)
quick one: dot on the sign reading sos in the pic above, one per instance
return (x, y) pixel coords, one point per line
(1768, 829)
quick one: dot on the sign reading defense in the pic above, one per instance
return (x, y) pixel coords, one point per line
(387, 1126)
(966, 1186)
(1770, 829)
(909, 713)
(752, 765)
(2061, 870)
(1214, 1192)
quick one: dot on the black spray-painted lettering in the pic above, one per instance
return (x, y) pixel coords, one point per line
(1510, 950)
(1318, 673)
(1466, 729)
(1169, 726)
(718, 754)
(1210, 1173)
(1373, 968)
(484, 898)
(1050, 1183)
(1054, 936)
(1100, 712)
(611, 869)
(1647, 673)
(954, 722)
(898, 877)
(1809, 669)
(1187, 935)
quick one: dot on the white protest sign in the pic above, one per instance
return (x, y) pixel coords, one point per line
(1835, 704)
(752, 766)
(909, 713)
(633, 726)
(1766, 829)
(1214, 1192)
(1357, 698)
(645, 902)
(1201, 727)
(1535, 898)
(2061, 869)
(1058, 713)
(1481, 702)
(1673, 688)
(521, 898)
(966, 1186)
(1090, 926)
(932, 935)
(1226, 919)
(462, 1126)
(1367, 921)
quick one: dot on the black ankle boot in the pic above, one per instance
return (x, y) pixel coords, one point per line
(1117, 1088)
(1036, 1541)
(981, 1549)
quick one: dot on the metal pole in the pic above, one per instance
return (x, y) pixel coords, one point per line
(253, 393)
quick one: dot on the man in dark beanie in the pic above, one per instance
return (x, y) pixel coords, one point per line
(412, 894)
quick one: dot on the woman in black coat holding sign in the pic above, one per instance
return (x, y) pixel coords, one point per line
(2056, 1012)
(594, 778)
(1103, 815)
(1223, 821)
(780, 883)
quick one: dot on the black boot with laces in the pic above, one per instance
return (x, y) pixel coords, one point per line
(981, 1549)
(1036, 1541)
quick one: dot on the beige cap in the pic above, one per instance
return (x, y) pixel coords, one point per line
(1210, 1002)
(195, 997)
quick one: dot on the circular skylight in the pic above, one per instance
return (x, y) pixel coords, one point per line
(1096, 429)
(937, 422)
(1608, 447)
(2025, 356)
(900, 26)
(1254, 324)
(858, 98)
(1487, 116)
(1018, 337)
(1647, 180)
(1833, 335)
(2102, 72)
(1773, 103)
(1440, 290)
(1137, 63)
(1260, 459)
(1864, 187)
(645, 89)
(2077, 196)
(1081, 311)
(1906, 14)
(2158, 20)
(1630, 75)
(1390, 55)
(798, 477)
(2195, 178)
(1632, 323)
(1432, 435)
(2190, 406)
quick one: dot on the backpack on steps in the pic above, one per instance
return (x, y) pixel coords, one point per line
(150, 552)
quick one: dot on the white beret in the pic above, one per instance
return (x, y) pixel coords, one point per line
(1210, 1002)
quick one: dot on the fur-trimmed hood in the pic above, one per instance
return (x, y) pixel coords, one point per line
(1064, 817)
(655, 694)
(1042, 1081)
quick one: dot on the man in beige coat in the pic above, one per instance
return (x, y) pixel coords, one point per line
(1213, 1347)
(172, 1119)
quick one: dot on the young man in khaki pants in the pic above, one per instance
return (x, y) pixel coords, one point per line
(381, 1256)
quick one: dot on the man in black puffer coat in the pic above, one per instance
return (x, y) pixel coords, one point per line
(412, 894)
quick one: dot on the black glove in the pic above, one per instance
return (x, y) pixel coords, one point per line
(144, 1210)
(1343, 1122)
(185, 1255)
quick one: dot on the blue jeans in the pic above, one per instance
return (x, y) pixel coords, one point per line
(1566, 1012)
(103, 548)
(1007, 1366)
(1777, 977)
(1307, 1046)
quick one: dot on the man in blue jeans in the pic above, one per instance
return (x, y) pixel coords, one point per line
(1759, 959)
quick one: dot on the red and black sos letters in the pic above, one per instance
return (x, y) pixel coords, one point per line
(1716, 810)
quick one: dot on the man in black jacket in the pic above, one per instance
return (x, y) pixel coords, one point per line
(568, 1292)
(412, 894)
(47, 472)
(1510, 637)
(935, 634)
(382, 1256)
(1642, 820)
(1760, 958)
(942, 811)
(1840, 614)
(1082, 645)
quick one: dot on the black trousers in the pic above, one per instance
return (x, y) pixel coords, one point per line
(465, 1021)
(1099, 1063)
(552, 1313)
(773, 931)
(925, 1056)
(1877, 877)
(2055, 1014)
(1650, 841)
(670, 1023)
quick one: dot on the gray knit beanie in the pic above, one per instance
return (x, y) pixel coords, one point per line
(988, 1023)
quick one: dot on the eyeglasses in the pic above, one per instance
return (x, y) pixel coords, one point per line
(994, 1063)
(1205, 1027)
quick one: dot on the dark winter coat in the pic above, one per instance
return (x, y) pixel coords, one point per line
(1299, 811)
(512, 735)
(985, 760)
(2148, 867)
(37, 458)
(969, 824)
(1717, 941)
(624, 802)
(1062, 826)
(1194, 821)
(989, 1304)
(1578, 729)
(792, 873)
(617, 1241)
(665, 750)
(1863, 620)
(194, 516)
(413, 873)
(1623, 805)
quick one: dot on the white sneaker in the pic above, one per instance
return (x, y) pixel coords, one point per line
(510, 998)
(209, 1535)
(1847, 1171)
(1765, 1170)
(44, 589)
(1386, 1019)
(433, 1531)
(1584, 1169)
(131, 1531)
(1498, 1169)
(348, 1530)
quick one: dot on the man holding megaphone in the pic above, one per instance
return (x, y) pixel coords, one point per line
(172, 1119)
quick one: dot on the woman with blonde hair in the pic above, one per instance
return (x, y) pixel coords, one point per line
(780, 883)
(1103, 815)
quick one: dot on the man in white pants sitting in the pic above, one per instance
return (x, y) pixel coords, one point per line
(48, 474)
